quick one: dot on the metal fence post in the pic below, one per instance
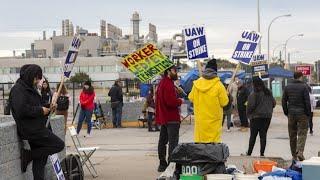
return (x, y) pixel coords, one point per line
(73, 98)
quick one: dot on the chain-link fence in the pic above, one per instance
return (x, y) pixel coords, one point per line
(131, 90)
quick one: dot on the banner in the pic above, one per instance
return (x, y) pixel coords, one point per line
(71, 56)
(196, 42)
(147, 62)
(57, 167)
(259, 66)
(305, 69)
(246, 46)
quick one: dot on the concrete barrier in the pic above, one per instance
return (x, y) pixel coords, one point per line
(10, 150)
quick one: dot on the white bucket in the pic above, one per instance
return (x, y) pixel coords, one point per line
(246, 177)
(219, 177)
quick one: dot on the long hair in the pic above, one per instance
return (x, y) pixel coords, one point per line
(47, 89)
(258, 85)
(29, 72)
(64, 90)
(90, 90)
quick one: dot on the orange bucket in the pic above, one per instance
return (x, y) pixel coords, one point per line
(265, 166)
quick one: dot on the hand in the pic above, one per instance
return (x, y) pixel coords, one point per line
(53, 107)
(46, 111)
(182, 100)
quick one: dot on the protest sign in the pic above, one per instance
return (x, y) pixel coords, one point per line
(246, 46)
(71, 56)
(196, 44)
(57, 167)
(147, 62)
(259, 66)
(305, 69)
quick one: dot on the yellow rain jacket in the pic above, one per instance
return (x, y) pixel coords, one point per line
(209, 96)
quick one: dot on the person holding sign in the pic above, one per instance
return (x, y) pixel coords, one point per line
(30, 116)
(209, 96)
(242, 100)
(167, 115)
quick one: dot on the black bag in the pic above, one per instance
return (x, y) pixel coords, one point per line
(62, 103)
(72, 167)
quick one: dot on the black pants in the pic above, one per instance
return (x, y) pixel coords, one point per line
(311, 122)
(168, 134)
(261, 126)
(41, 148)
(242, 110)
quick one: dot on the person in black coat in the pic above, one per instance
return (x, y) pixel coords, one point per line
(46, 94)
(116, 95)
(242, 98)
(30, 116)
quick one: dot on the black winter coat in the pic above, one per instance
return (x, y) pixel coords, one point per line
(26, 108)
(242, 97)
(296, 99)
(116, 94)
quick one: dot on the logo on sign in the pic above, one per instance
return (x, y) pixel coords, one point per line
(196, 43)
(246, 46)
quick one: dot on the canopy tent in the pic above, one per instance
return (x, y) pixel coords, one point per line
(279, 72)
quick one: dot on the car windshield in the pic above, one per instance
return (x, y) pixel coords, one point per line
(315, 91)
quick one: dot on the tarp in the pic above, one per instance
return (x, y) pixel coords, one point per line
(279, 72)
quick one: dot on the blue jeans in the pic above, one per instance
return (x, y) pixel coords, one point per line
(85, 115)
(116, 116)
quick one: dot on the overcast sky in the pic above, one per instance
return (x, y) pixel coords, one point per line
(23, 21)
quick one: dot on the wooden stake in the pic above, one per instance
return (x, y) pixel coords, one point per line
(199, 68)
(234, 75)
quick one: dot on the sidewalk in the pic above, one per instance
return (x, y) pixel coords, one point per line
(131, 153)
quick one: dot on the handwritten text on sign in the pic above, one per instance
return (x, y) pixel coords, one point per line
(246, 46)
(196, 43)
(147, 62)
(305, 69)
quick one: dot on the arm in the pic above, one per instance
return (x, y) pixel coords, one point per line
(21, 107)
(307, 103)
(223, 96)
(191, 94)
(251, 104)
(170, 94)
(285, 102)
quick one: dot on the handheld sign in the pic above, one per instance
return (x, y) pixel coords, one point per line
(259, 66)
(246, 46)
(57, 167)
(71, 56)
(147, 62)
(196, 43)
(305, 69)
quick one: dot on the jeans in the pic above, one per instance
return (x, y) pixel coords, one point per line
(311, 122)
(298, 130)
(261, 126)
(168, 134)
(116, 116)
(243, 116)
(85, 115)
(228, 120)
(41, 148)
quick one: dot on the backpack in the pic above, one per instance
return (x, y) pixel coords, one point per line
(72, 167)
(62, 103)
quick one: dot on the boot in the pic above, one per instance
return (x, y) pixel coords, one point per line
(150, 127)
(25, 159)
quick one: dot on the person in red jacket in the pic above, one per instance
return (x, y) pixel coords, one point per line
(167, 115)
(87, 97)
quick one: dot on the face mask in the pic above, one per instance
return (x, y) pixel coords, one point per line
(86, 86)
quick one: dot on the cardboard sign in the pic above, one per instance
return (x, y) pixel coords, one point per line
(56, 166)
(246, 46)
(147, 62)
(71, 56)
(305, 69)
(259, 66)
(196, 42)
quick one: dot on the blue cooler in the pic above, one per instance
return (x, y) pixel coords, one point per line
(311, 169)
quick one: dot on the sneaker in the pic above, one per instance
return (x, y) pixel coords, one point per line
(228, 130)
(88, 136)
(311, 133)
(300, 156)
(162, 168)
(244, 154)
(25, 159)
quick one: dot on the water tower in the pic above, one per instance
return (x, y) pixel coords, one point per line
(135, 26)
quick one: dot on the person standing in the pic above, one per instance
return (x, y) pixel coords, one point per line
(227, 111)
(46, 94)
(259, 110)
(297, 107)
(87, 97)
(116, 95)
(30, 116)
(242, 98)
(150, 110)
(167, 115)
(63, 102)
(313, 107)
(209, 96)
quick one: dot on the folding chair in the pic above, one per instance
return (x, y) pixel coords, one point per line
(84, 152)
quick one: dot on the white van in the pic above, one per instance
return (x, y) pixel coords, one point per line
(316, 92)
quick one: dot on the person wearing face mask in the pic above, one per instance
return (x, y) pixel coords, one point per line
(87, 97)
(167, 115)
(30, 116)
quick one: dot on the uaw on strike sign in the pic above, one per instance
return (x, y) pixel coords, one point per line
(71, 56)
(196, 42)
(147, 62)
(246, 46)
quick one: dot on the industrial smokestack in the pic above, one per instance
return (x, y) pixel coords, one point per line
(44, 35)
(54, 34)
(103, 29)
(63, 29)
(32, 50)
(14, 53)
(135, 25)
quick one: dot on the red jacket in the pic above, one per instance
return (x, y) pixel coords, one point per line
(87, 101)
(167, 102)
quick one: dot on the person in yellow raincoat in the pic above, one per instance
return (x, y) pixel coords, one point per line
(209, 96)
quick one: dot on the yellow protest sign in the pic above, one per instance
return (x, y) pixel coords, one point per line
(147, 62)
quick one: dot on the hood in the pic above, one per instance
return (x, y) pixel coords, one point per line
(29, 72)
(204, 85)
(209, 73)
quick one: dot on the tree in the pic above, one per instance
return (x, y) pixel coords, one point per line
(80, 77)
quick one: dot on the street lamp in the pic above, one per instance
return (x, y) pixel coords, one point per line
(285, 48)
(274, 50)
(286, 15)
(258, 8)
